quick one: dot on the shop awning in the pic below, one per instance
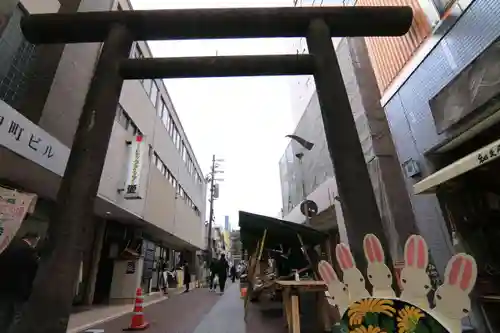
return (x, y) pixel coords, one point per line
(479, 157)
(282, 232)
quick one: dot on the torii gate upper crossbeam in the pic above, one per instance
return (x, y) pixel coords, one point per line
(87, 27)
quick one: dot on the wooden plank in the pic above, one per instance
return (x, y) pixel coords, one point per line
(295, 314)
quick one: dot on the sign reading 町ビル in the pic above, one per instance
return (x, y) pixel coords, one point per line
(133, 181)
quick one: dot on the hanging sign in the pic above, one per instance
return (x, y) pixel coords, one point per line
(133, 182)
(13, 208)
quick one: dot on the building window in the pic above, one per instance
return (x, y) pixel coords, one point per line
(16, 60)
(147, 86)
(153, 95)
(165, 115)
(126, 122)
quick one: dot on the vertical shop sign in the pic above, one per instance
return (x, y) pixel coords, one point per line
(133, 182)
(13, 208)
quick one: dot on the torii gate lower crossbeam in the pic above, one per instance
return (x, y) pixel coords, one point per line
(49, 306)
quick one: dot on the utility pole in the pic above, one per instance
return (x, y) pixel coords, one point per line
(211, 213)
(213, 195)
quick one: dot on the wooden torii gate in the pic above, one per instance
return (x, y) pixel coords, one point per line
(50, 303)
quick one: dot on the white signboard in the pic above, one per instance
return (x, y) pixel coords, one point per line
(13, 208)
(30, 141)
(135, 163)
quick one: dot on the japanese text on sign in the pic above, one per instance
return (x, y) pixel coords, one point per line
(491, 153)
(28, 140)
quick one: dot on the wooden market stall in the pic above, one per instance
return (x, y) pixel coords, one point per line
(283, 259)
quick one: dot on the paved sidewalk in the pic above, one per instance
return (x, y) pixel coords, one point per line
(95, 315)
(227, 316)
(178, 314)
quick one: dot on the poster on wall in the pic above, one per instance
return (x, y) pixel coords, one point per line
(14, 206)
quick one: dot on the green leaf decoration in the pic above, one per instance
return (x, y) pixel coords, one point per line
(388, 324)
(371, 318)
(422, 328)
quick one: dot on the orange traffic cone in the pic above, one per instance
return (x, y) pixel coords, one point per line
(138, 323)
(243, 292)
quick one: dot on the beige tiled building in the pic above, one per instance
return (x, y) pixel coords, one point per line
(42, 92)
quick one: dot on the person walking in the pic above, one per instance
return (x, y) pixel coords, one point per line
(18, 264)
(187, 276)
(222, 272)
(213, 272)
(233, 273)
(164, 277)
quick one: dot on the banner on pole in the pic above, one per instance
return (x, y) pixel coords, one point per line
(13, 209)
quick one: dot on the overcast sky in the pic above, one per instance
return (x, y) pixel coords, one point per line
(242, 120)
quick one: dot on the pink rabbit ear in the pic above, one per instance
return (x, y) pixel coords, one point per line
(373, 249)
(340, 257)
(469, 274)
(410, 248)
(344, 256)
(367, 247)
(461, 271)
(327, 272)
(349, 260)
(377, 248)
(422, 253)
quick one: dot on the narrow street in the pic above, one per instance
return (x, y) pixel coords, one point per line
(180, 314)
(198, 311)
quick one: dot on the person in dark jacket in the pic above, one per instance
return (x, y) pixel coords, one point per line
(18, 266)
(233, 273)
(222, 271)
(213, 271)
(187, 276)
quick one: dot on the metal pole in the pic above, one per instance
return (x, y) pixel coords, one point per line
(50, 304)
(304, 194)
(211, 214)
(351, 172)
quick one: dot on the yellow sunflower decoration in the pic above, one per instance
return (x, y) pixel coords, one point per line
(369, 329)
(408, 318)
(358, 311)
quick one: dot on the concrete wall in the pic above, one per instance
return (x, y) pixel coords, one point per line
(410, 118)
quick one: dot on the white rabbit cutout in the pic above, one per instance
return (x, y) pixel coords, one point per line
(415, 281)
(338, 294)
(353, 279)
(452, 297)
(378, 273)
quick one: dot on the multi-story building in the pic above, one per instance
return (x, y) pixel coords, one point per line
(438, 89)
(136, 225)
(441, 100)
(236, 247)
(310, 174)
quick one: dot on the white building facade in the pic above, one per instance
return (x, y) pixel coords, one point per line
(150, 205)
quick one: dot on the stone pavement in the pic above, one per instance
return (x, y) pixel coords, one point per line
(179, 314)
(199, 311)
(227, 316)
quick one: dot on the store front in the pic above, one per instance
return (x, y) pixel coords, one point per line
(468, 189)
(467, 184)
(156, 257)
